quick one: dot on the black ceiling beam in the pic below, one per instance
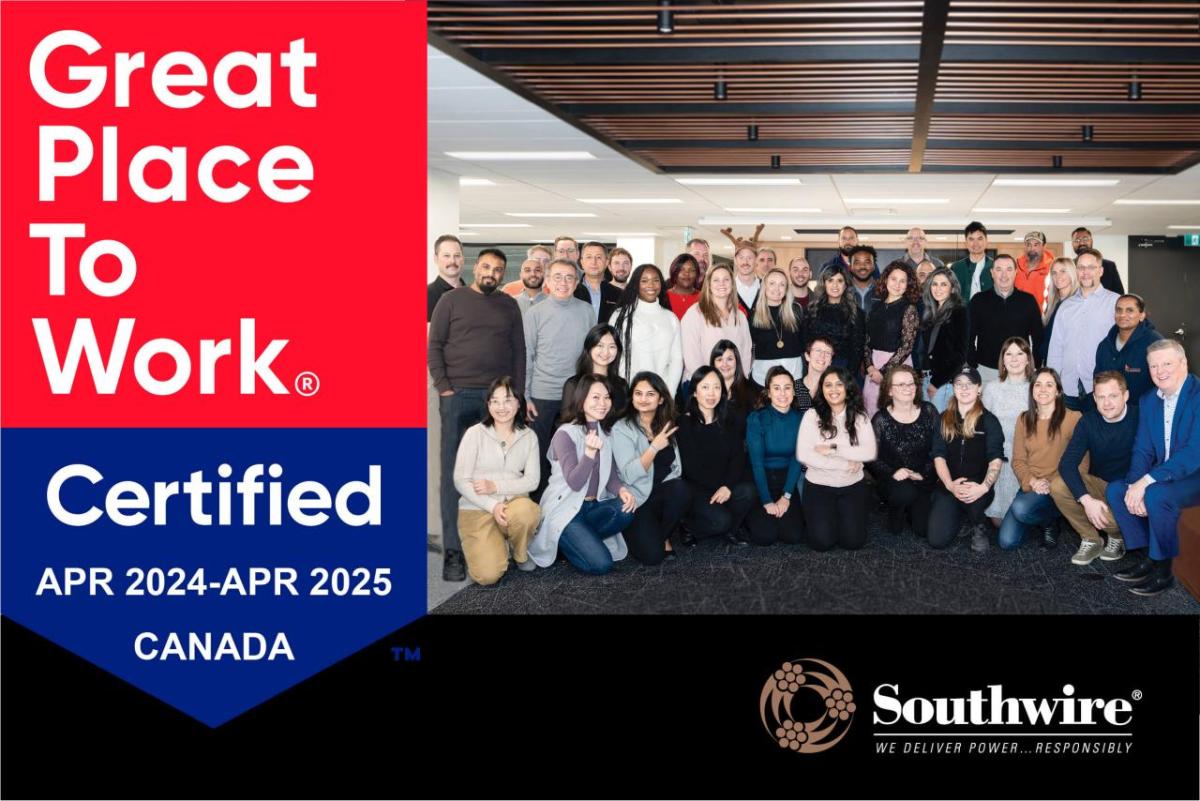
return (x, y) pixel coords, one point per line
(903, 168)
(1104, 55)
(700, 53)
(890, 144)
(933, 31)
(1061, 108)
(731, 108)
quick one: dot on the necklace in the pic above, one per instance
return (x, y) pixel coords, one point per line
(778, 330)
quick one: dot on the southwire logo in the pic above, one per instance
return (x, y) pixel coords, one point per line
(996, 709)
(807, 705)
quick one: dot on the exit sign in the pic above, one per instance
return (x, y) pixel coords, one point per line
(1191, 240)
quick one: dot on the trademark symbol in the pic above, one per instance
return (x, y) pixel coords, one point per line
(405, 654)
(1137, 695)
(308, 384)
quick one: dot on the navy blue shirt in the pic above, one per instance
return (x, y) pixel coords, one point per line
(1109, 446)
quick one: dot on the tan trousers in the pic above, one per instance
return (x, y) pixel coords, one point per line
(485, 543)
(1073, 509)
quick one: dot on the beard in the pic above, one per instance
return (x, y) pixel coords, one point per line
(534, 284)
(487, 286)
(845, 249)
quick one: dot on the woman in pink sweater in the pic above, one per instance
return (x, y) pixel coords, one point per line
(835, 441)
(714, 317)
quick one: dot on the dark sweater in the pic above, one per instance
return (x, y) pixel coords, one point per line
(474, 339)
(713, 455)
(610, 298)
(1109, 447)
(892, 328)
(907, 445)
(771, 442)
(994, 319)
(1130, 360)
(765, 339)
(948, 351)
(433, 293)
(848, 336)
(969, 458)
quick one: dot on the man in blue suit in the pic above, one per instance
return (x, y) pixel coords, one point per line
(1164, 473)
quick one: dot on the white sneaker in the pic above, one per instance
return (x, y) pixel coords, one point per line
(528, 565)
(1114, 549)
(1087, 553)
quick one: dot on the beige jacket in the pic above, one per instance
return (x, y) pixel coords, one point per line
(515, 469)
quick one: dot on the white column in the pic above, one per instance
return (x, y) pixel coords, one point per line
(441, 212)
(1116, 249)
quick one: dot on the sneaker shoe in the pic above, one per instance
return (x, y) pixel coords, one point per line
(454, 567)
(1050, 535)
(1114, 549)
(527, 566)
(979, 540)
(1087, 553)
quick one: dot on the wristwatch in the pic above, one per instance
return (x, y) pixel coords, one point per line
(787, 496)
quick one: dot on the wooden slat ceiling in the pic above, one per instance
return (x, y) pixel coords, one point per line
(952, 85)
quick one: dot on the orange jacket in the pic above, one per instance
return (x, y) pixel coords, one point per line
(1036, 282)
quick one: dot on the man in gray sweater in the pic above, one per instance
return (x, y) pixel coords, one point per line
(554, 334)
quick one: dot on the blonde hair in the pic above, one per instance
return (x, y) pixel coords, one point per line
(951, 427)
(787, 312)
(1053, 300)
(708, 304)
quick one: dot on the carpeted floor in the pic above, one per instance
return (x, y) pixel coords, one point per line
(891, 575)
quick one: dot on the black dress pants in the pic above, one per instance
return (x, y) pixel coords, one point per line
(765, 529)
(836, 515)
(655, 519)
(901, 496)
(945, 517)
(714, 519)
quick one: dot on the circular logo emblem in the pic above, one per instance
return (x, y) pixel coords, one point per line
(807, 705)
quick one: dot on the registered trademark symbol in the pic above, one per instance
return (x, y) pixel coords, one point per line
(1137, 695)
(308, 384)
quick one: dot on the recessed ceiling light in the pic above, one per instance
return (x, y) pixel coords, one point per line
(520, 155)
(1131, 202)
(616, 233)
(989, 210)
(785, 237)
(550, 214)
(629, 200)
(1184, 227)
(1056, 182)
(494, 225)
(771, 210)
(740, 181)
(465, 181)
(468, 233)
(895, 201)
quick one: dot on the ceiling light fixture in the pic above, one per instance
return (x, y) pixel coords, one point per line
(1135, 90)
(520, 155)
(1184, 227)
(895, 201)
(629, 200)
(465, 181)
(617, 233)
(775, 162)
(771, 210)
(752, 133)
(740, 181)
(1056, 162)
(494, 225)
(720, 90)
(993, 210)
(549, 214)
(666, 19)
(1133, 202)
(1088, 132)
(1056, 182)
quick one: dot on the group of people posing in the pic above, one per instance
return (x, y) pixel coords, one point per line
(596, 410)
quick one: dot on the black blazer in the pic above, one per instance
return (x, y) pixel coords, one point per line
(949, 351)
(610, 297)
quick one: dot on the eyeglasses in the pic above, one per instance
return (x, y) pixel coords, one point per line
(500, 403)
(963, 384)
(821, 352)
(561, 278)
(909, 385)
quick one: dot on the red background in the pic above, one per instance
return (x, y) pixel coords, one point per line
(336, 274)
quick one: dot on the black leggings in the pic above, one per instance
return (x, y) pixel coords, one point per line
(713, 519)
(836, 515)
(901, 495)
(945, 517)
(766, 529)
(654, 520)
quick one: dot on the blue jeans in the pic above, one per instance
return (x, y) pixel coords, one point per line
(582, 541)
(942, 399)
(1028, 509)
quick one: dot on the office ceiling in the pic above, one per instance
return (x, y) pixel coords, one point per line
(940, 86)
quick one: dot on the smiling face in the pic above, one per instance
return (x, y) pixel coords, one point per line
(593, 261)
(924, 270)
(532, 274)
(835, 287)
(862, 265)
(1168, 369)
(720, 285)
(775, 288)
(847, 240)
(1004, 274)
(976, 245)
(597, 404)
(966, 391)
(562, 280)
(764, 262)
(834, 390)
(782, 392)
(1060, 274)
(743, 262)
(566, 249)
(604, 352)
(1127, 314)
(685, 279)
(915, 241)
(645, 398)
(1081, 240)
(699, 252)
(708, 392)
(620, 266)
(897, 284)
(1045, 389)
(1034, 248)
(820, 356)
(801, 273)
(939, 289)
(502, 405)
(903, 388)
(449, 258)
(726, 365)
(1088, 268)
(488, 272)
(1110, 400)
(1016, 362)
(649, 286)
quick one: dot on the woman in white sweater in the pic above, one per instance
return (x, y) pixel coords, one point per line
(496, 469)
(649, 330)
(714, 317)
